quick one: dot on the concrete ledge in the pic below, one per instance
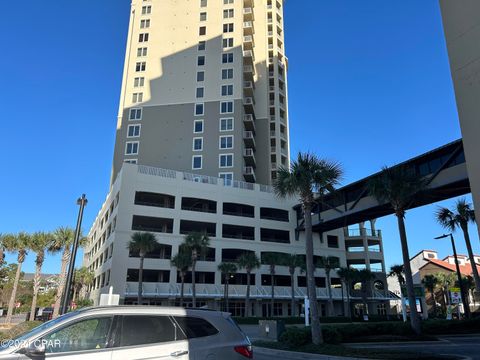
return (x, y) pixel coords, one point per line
(298, 355)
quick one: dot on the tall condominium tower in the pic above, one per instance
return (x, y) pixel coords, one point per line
(204, 89)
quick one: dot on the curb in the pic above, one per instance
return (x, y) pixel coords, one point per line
(298, 355)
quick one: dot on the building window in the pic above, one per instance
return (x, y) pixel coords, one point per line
(131, 148)
(198, 126)
(227, 90)
(143, 37)
(227, 178)
(144, 24)
(135, 114)
(226, 160)
(226, 2)
(228, 43)
(228, 13)
(203, 3)
(198, 109)
(227, 58)
(137, 97)
(200, 92)
(200, 76)
(332, 241)
(146, 10)
(226, 142)
(203, 16)
(202, 30)
(201, 61)
(142, 52)
(140, 66)
(139, 82)
(226, 124)
(228, 28)
(133, 131)
(197, 144)
(227, 74)
(226, 107)
(196, 162)
(201, 45)
(130, 161)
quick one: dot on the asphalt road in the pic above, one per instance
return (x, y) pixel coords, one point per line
(467, 346)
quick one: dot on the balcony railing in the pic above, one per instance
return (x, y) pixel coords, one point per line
(362, 232)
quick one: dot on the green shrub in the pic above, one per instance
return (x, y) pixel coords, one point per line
(332, 335)
(254, 320)
(442, 327)
(19, 329)
(295, 337)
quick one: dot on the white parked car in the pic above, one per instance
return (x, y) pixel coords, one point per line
(133, 332)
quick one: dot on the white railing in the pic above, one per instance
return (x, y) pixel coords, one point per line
(248, 152)
(148, 170)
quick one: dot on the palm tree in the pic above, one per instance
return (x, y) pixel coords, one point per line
(197, 243)
(364, 276)
(398, 187)
(347, 275)
(227, 269)
(142, 243)
(397, 271)
(309, 178)
(249, 261)
(272, 260)
(19, 244)
(461, 215)
(82, 279)
(446, 280)
(430, 282)
(39, 243)
(62, 241)
(182, 261)
(328, 263)
(292, 261)
(2, 250)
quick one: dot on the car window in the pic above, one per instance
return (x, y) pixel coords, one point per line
(195, 327)
(88, 334)
(145, 329)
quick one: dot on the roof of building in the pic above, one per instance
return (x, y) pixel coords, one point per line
(422, 251)
(464, 269)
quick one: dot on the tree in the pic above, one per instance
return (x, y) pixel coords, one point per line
(248, 261)
(292, 261)
(63, 239)
(227, 269)
(364, 276)
(460, 217)
(272, 260)
(142, 243)
(182, 261)
(329, 263)
(39, 243)
(347, 275)
(309, 178)
(197, 243)
(16, 243)
(82, 278)
(398, 186)
(397, 271)
(446, 281)
(430, 282)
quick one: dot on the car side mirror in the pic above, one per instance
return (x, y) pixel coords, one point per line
(35, 348)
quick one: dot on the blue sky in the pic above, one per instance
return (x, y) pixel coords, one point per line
(369, 85)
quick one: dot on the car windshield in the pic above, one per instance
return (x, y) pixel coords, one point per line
(38, 329)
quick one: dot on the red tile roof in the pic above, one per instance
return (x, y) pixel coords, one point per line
(464, 269)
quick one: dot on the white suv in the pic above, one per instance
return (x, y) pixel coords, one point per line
(133, 332)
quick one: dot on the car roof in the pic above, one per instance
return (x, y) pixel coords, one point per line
(150, 310)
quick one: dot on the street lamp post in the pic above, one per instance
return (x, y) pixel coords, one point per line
(66, 295)
(459, 274)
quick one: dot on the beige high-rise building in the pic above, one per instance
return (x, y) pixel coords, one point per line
(204, 89)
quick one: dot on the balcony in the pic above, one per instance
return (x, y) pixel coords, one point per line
(273, 149)
(249, 139)
(272, 133)
(248, 72)
(248, 28)
(248, 87)
(248, 4)
(248, 14)
(249, 173)
(249, 122)
(271, 103)
(248, 57)
(249, 157)
(249, 103)
(248, 42)
(274, 166)
(270, 33)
